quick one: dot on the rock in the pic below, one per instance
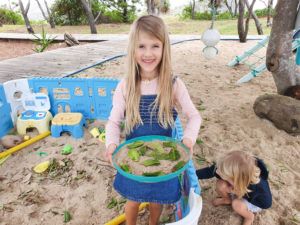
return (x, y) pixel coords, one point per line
(282, 111)
(70, 40)
(293, 91)
(10, 141)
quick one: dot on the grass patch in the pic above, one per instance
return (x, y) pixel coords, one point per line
(294, 219)
(116, 203)
(174, 23)
(200, 159)
(58, 168)
(199, 141)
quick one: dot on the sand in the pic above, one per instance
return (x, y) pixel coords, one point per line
(137, 167)
(84, 188)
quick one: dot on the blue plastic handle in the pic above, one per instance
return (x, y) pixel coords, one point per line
(155, 179)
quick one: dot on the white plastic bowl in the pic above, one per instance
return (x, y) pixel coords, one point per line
(195, 205)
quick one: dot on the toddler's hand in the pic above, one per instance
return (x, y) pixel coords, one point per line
(109, 151)
(188, 143)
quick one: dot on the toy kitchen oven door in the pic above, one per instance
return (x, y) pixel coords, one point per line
(36, 114)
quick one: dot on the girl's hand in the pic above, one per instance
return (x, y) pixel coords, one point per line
(188, 143)
(109, 151)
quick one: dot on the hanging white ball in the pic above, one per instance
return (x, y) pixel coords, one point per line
(211, 37)
(210, 52)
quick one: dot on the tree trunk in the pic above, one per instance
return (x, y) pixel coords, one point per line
(125, 12)
(241, 28)
(43, 13)
(235, 7)
(48, 19)
(69, 17)
(256, 20)
(229, 8)
(279, 58)
(193, 9)
(151, 7)
(24, 14)
(148, 6)
(90, 16)
(270, 6)
(97, 17)
(50, 16)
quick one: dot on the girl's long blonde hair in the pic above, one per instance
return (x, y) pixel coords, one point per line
(239, 167)
(154, 26)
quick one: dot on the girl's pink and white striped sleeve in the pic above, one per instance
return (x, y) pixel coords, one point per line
(189, 110)
(112, 128)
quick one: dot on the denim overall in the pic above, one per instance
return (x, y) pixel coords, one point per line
(165, 192)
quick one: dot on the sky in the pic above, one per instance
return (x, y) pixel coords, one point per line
(175, 5)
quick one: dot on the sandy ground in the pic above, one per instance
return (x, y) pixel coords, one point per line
(82, 181)
(15, 48)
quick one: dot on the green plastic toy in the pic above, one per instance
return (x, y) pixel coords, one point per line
(67, 149)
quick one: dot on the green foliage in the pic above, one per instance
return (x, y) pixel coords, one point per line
(186, 12)
(165, 6)
(199, 141)
(113, 16)
(68, 12)
(264, 12)
(123, 9)
(203, 16)
(153, 174)
(116, 203)
(224, 16)
(38, 22)
(131, 16)
(207, 15)
(42, 42)
(178, 166)
(200, 159)
(71, 12)
(10, 17)
(134, 154)
(67, 216)
(113, 202)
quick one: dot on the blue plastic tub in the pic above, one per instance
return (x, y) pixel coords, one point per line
(144, 178)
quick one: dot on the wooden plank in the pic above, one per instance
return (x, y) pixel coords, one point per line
(59, 62)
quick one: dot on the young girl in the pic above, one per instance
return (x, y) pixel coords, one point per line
(146, 101)
(241, 182)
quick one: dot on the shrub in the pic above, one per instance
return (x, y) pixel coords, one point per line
(10, 17)
(224, 16)
(68, 12)
(43, 41)
(186, 12)
(263, 12)
(131, 16)
(113, 17)
(165, 6)
(203, 16)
